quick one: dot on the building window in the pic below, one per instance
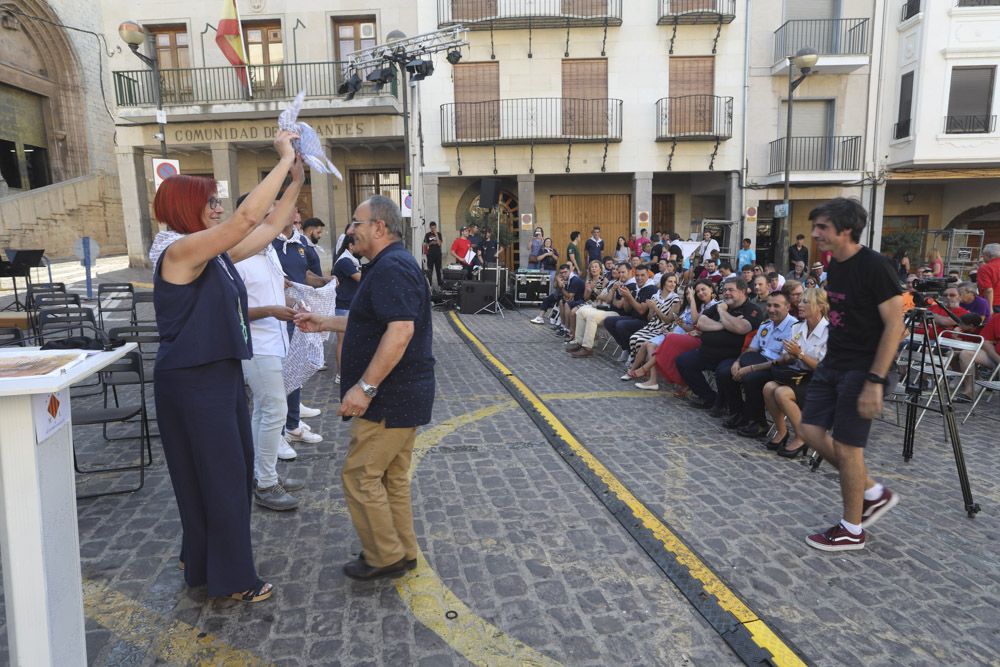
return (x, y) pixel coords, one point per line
(368, 183)
(266, 56)
(970, 101)
(477, 100)
(902, 128)
(585, 97)
(352, 35)
(174, 59)
(692, 86)
(910, 9)
(36, 159)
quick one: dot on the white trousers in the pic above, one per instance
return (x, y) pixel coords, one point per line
(270, 407)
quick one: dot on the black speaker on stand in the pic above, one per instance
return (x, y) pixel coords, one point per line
(489, 193)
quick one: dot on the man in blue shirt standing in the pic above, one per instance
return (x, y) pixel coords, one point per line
(387, 388)
(746, 255)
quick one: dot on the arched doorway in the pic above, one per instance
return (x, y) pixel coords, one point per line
(986, 218)
(507, 209)
(44, 139)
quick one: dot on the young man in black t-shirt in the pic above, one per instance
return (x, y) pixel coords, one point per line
(846, 391)
(432, 251)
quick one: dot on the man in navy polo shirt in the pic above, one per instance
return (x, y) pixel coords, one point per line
(387, 384)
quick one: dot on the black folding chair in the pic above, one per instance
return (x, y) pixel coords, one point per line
(35, 289)
(142, 334)
(65, 321)
(128, 368)
(56, 300)
(11, 337)
(143, 297)
(123, 293)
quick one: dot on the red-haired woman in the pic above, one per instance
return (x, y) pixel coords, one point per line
(201, 407)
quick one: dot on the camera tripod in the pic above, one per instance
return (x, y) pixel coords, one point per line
(929, 366)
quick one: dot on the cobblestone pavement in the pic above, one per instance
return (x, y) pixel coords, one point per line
(926, 590)
(533, 568)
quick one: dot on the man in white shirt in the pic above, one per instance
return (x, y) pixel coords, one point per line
(265, 282)
(708, 244)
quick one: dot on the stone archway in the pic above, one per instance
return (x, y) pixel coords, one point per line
(39, 57)
(508, 210)
(973, 213)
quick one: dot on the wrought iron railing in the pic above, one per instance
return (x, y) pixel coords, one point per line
(697, 11)
(694, 117)
(515, 14)
(910, 9)
(978, 3)
(536, 120)
(817, 154)
(901, 130)
(213, 85)
(977, 124)
(830, 37)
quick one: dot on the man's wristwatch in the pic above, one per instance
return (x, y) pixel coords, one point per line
(370, 390)
(876, 379)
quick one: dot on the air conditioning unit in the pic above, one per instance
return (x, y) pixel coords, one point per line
(367, 31)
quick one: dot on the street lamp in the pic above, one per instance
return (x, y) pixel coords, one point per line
(133, 34)
(804, 59)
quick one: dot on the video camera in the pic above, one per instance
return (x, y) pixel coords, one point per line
(930, 287)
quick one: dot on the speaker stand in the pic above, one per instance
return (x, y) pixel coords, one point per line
(494, 306)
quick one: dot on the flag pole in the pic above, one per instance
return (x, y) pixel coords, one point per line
(243, 46)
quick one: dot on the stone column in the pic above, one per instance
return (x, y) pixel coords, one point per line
(323, 208)
(135, 205)
(642, 198)
(526, 206)
(225, 168)
(876, 217)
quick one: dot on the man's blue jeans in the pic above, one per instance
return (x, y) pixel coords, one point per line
(691, 366)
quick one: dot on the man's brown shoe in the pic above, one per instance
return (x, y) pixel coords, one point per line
(359, 569)
(573, 347)
(583, 353)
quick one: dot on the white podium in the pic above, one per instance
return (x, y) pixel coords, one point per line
(43, 591)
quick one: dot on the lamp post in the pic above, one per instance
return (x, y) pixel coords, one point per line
(399, 57)
(133, 34)
(805, 59)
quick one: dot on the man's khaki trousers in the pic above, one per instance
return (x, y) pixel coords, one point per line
(588, 319)
(376, 479)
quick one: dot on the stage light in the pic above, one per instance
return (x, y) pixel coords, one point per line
(454, 56)
(419, 69)
(350, 87)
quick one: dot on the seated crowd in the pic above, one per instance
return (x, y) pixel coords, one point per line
(760, 334)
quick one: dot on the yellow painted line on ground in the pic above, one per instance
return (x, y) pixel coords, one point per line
(172, 642)
(762, 635)
(142, 285)
(429, 599)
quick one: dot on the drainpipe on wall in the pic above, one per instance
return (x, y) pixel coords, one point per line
(743, 139)
(877, 206)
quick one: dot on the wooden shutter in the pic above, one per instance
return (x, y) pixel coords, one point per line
(692, 86)
(585, 97)
(811, 9)
(473, 10)
(477, 100)
(663, 213)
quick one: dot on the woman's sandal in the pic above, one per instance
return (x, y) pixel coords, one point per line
(259, 593)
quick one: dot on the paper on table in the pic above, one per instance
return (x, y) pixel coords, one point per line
(22, 364)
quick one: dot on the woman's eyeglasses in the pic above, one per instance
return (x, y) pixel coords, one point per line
(214, 202)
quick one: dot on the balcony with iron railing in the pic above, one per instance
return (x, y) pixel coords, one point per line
(910, 9)
(817, 154)
(694, 118)
(221, 85)
(843, 45)
(693, 12)
(536, 120)
(520, 14)
(974, 124)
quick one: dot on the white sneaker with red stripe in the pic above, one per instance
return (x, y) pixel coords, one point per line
(873, 510)
(837, 538)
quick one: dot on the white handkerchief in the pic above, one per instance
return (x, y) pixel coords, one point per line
(308, 144)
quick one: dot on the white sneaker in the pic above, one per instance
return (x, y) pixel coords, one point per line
(306, 411)
(285, 451)
(304, 426)
(538, 320)
(649, 386)
(302, 435)
(336, 380)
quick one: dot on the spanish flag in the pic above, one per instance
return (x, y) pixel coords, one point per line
(229, 37)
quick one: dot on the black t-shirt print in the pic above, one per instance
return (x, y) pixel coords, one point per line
(432, 249)
(855, 289)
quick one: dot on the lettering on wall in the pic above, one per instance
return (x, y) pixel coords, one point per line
(326, 129)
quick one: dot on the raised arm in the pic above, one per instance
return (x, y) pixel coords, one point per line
(185, 259)
(279, 218)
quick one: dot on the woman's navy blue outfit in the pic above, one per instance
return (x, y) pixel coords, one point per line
(201, 408)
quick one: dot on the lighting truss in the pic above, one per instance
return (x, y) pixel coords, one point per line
(408, 48)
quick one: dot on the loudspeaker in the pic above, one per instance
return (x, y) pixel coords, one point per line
(474, 296)
(489, 192)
